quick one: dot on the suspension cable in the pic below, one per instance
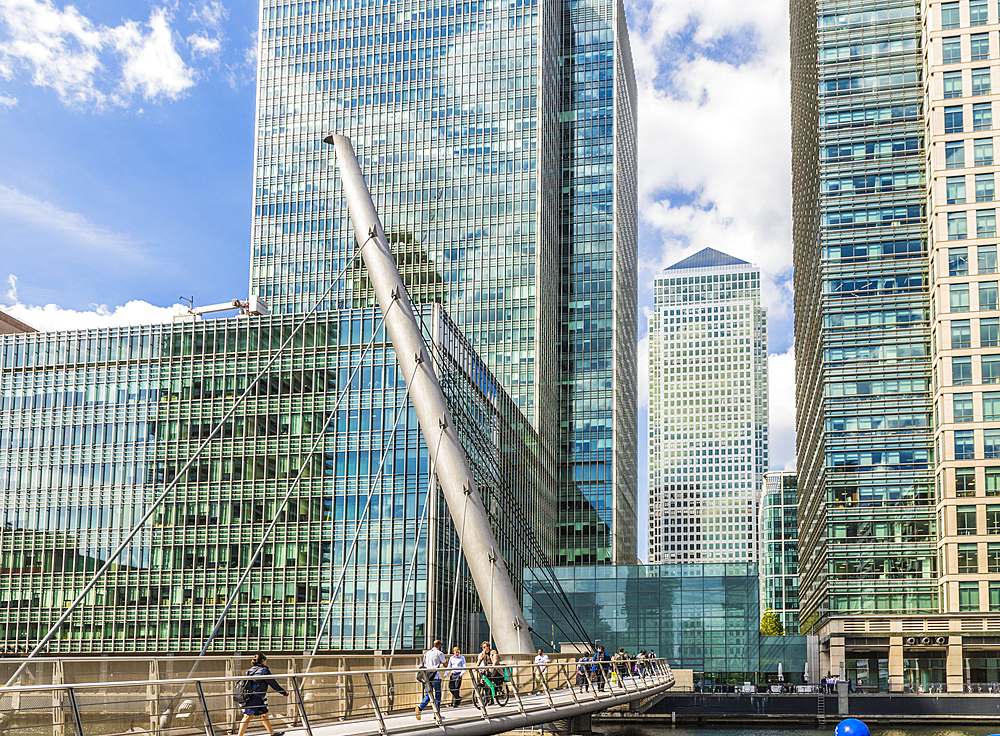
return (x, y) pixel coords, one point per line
(293, 486)
(431, 487)
(459, 556)
(561, 602)
(180, 474)
(361, 519)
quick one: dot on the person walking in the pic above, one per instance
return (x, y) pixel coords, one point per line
(582, 666)
(620, 663)
(257, 705)
(434, 659)
(456, 665)
(599, 668)
(541, 662)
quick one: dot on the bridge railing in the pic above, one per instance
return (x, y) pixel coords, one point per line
(205, 705)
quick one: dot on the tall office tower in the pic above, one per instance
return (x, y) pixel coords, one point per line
(779, 548)
(499, 143)
(707, 410)
(881, 581)
(965, 327)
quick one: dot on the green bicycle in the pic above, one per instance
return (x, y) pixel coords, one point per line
(493, 687)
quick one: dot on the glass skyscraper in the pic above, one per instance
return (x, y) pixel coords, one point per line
(892, 114)
(498, 139)
(95, 423)
(779, 548)
(708, 446)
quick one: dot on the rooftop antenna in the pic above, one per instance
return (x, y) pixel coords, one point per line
(190, 302)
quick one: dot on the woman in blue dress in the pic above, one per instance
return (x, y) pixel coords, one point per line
(257, 705)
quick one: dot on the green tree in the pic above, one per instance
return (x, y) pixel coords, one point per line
(770, 624)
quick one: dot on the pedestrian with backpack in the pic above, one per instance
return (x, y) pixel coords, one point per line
(253, 693)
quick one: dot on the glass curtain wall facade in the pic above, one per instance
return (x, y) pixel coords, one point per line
(966, 316)
(866, 504)
(708, 446)
(95, 423)
(779, 549)
(463, 116)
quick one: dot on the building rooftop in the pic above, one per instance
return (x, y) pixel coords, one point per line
(708, 258)
(9, 325)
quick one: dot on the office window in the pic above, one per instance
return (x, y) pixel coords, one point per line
(950, 16)
(991, 369)
(989, 332)
(962, 405)
(978, 13)
(980, 82)
(982, 116)
(954, 155)
(959, 295)
(987, 295)
(982, 151)
(995, 594)
(979, 45)
(991, 406)
(968, 597)
(952, 85)
(955, 190)
(986, 224)
(984, 188)
(992, 482)
(965, 520)
(958, 261)
(951, 50)
(968, 559)
(961, 371)
(993, 557)
(991, 444)
(957, 226)
(965, 482)
(953, 119)
(964, 447)
(993, 519)
(961, 334)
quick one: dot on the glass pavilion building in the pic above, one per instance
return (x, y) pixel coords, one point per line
(95, 423)
(498, 138)
(892, 140)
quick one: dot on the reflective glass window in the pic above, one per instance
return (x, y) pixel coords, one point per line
(961, 334)
(980, 82)
(982, 116)
(952, 85)
(955, 188)
(958, 261)
(979, 46)
(953, 119)
(984, 187)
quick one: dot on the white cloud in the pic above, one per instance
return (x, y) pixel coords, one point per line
(65, 51)
(211, 14)
(52, 317)
(7, 100)
(642, 356)
(74, 228)
(203, 45)
(714, 132)
(781, 409)
(152, 64)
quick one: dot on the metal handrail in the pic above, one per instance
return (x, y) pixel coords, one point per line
(375, 699)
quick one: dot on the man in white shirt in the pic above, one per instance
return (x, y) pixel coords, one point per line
(540, 666)
(434, 659)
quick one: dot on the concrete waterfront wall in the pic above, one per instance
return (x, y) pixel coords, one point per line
(704, 707)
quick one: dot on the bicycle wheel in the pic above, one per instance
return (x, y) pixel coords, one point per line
(503, 694)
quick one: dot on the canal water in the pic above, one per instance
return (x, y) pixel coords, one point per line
(877, 730)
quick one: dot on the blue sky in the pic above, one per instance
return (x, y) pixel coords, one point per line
(126, 160)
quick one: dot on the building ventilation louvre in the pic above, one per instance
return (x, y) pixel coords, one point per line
(917, 625)
(972, 624)
(878, 626)
(855, 627)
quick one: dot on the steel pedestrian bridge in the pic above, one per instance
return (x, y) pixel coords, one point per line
(327, 696)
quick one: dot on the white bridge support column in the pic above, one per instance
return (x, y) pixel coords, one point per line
(503, 611)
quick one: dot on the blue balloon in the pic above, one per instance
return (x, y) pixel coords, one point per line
(852, 727)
